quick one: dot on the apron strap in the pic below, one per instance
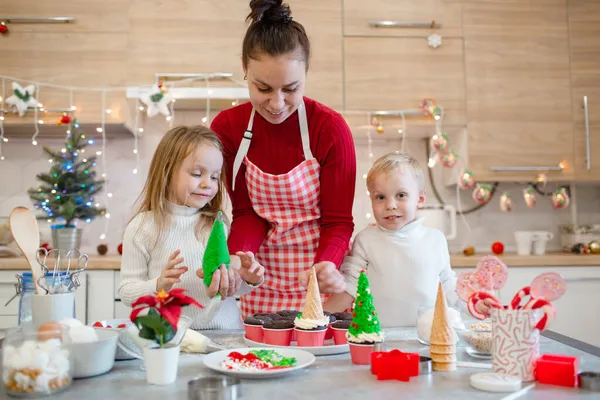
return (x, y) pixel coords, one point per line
(243, 150)
(304, 132)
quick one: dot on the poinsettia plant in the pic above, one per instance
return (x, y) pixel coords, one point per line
(164, 311)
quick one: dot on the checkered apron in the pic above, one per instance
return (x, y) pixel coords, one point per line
(290, 202)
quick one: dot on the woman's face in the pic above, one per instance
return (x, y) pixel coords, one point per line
(276, 85)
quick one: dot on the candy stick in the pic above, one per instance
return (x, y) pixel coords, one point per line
(549, 312)
(521, 294)
(479, 297)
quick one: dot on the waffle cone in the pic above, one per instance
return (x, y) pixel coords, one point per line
(444, 367)
(442, 349)
(443, 358)
(441, 331)
(313, 308)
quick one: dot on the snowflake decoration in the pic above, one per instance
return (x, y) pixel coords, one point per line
(22, 98)
(157, 102)
(434, 40)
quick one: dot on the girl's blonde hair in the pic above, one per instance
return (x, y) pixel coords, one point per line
(394, 161)
(177, 144)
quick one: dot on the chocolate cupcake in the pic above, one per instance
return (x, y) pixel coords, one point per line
(289, 314)
(256, 321)
(331, 317)
(265, 317)
(318, 328)
(342, 316)
(279, 324)
(342, 324)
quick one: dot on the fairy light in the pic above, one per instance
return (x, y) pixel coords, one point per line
(103, 159)
(36, 121)
(207, 116)
(136, 138)
(108, 111)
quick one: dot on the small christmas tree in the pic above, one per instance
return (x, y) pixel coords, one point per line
(364, 316)
(68, 190)
(217, 252)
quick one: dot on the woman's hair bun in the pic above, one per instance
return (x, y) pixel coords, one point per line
(273, 11)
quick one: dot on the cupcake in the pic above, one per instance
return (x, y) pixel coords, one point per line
(311, 325)
(288, 314)
(339, 329)
(332, 319)
(365, 329)
(278, 332)
(266, 317)
(254, 328)
(342, 316)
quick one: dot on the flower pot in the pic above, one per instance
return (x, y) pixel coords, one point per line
(161, 364)
(66, 238)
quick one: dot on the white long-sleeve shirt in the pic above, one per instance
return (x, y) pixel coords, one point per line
(144, 258)
(404, 268)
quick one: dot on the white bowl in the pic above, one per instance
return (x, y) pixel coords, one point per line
(95, 358)
(121, 355)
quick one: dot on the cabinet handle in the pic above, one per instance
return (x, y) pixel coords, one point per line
(405, 24)
(559, 167)
(588, 155)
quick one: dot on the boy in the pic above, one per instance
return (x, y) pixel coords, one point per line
(403, 259)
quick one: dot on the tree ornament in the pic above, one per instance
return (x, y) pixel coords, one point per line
(22, 98)
(482, 193)
(506, 202)
(466, 180)
(157, 102)
(428, 106)
(434, 40)
(380, 129)
(440, 142)
(375, 122)
(65, 119)
(449, 159)
(217, 252)
(498, 248)
(102, 249)
(560, 198)
(3, 27)
(529, 197)
(120, 248)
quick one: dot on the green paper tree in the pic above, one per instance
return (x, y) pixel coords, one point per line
(364, 315)
(67, 190)
(217, 252)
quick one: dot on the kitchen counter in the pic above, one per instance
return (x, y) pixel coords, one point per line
(113, 262)
(330, 377)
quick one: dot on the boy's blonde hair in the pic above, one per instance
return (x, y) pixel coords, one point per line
(394, 161)
(177, 144)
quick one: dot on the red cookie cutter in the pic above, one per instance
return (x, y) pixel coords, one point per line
(388, 365)
(557, 370)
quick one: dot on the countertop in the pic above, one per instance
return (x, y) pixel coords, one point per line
(328, 378)
(113, 262)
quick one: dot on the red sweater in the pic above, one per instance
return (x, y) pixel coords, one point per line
(276, 149)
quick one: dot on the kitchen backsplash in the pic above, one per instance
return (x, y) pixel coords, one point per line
(24, 161)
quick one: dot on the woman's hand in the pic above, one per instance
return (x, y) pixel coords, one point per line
(250, 270)
(329, 278)
(170, 275)
(225, 281)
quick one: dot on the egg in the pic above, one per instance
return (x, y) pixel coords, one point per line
(49, 330)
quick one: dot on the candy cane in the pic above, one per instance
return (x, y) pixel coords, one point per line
(521, 294)
(476, 298)
(549, 312)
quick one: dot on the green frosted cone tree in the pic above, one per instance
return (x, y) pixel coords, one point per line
(217, 252)
(364, 315)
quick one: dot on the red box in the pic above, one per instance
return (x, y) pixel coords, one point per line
(552, 369)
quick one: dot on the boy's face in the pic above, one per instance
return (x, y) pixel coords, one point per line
(395, 197)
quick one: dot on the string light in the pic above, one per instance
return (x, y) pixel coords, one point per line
(36, 121)
(136, 138)
(103, 159)
(108, 111)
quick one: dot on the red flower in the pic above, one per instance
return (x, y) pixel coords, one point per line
(168, 305)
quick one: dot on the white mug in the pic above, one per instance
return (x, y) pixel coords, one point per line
(539, 241)
(524, 241)
(52, 307)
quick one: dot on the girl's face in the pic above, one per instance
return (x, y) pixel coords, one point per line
(276, 85)
(197, 180)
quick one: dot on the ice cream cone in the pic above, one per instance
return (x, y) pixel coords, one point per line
(441, 331)
(444, 367)
(443, 358)
(313, 308)
(442, 349)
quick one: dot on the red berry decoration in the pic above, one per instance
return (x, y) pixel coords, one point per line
(360, 303)
(122, 326)
(98, 324)
(354, 315)
(498, 248)
(120, 249)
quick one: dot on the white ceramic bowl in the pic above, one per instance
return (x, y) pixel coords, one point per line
(121, 355)
(95, 358)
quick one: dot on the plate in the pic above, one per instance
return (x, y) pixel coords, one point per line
(328, 350)
(303, 360)
(476, 354)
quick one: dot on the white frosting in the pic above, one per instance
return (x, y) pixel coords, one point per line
(309, 324)
(374, 337)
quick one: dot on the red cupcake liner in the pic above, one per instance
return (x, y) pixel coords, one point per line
(329, 333)
(254, 332)
(361, 353)
(310, 338)
(278, 337)
(339, 336)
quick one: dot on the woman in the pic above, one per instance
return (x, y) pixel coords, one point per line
(290, 164)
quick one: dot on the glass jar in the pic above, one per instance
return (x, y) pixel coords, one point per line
(26, 288)
(36, 362)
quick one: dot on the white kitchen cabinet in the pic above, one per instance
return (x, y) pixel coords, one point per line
(9, 314)
(100, 299)
(577, 311)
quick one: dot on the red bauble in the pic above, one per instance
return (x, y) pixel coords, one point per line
(498, 248)
(120, 249)
(65, 119)
(3, 28)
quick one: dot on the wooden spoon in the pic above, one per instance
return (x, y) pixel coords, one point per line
(24, 228)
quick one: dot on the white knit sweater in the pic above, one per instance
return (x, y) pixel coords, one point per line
(404, 268)
(143, 262)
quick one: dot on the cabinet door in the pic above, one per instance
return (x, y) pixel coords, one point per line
(398, 73)
(100, 298)
(584, 29)
(518, 89)
(358, 14)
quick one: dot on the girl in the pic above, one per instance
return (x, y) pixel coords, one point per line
(182, 195)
